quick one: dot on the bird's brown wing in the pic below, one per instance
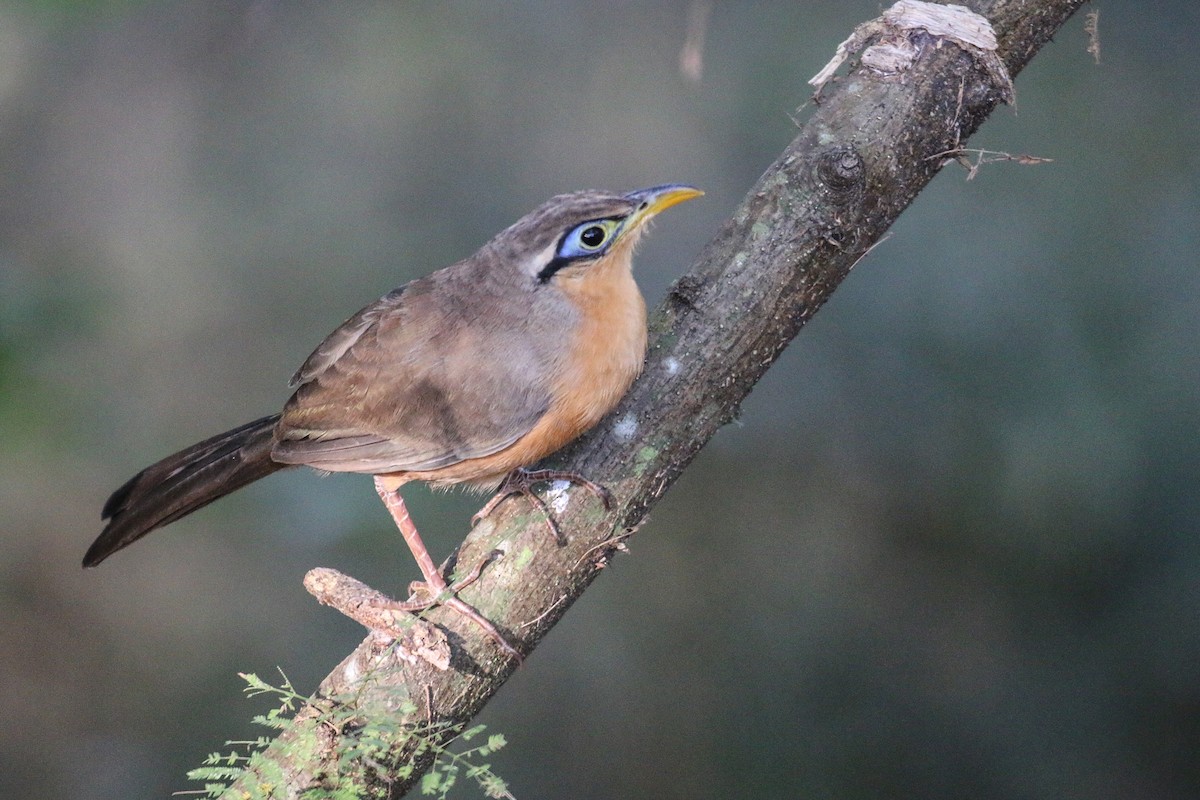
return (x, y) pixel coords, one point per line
(414, 382)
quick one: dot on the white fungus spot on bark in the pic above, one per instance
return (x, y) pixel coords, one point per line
(625, 428)
(557, 497)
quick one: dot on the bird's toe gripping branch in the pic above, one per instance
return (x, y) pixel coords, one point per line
(435, 589)
(520, 481)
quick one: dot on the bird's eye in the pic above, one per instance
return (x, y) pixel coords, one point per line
(589, 239)
(592, 236)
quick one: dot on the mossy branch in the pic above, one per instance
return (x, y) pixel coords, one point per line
(874, 140)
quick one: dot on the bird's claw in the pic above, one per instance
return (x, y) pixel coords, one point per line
(520, 481)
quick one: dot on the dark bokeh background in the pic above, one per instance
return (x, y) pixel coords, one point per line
(949, 551)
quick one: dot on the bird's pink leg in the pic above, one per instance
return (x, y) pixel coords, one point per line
(438, 591)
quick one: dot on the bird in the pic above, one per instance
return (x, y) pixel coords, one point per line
(466, 376)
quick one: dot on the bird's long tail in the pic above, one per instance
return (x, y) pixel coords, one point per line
(184, 482)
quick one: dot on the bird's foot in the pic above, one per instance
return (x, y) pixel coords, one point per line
(520, 481)
(436, 592)
(434, 588)
(386, 616)
(423, 596)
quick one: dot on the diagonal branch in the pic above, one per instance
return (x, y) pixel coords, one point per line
(856, 164)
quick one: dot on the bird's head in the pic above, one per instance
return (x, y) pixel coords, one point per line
(570, 234)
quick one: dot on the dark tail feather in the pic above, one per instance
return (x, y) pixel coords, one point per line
(184, 482)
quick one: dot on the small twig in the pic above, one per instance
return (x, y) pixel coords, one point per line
(874, 244)
(615, 542)
(1091, 26)
(415, 638)
(982, 157)
(545, 613)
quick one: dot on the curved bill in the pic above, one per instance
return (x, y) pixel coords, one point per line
(657, 199)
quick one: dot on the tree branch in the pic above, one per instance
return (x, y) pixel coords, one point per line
(870, 146)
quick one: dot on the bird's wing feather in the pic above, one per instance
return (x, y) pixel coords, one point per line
(408, 385)
(343, 338)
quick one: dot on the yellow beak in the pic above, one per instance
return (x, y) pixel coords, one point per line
(655, 200)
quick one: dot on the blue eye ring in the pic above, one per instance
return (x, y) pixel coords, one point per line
(589, 239)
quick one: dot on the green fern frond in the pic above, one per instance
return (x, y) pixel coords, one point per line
(361, 747)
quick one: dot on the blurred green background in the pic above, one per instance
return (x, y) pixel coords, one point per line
(950, 550)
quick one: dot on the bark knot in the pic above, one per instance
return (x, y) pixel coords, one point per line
(841, 169)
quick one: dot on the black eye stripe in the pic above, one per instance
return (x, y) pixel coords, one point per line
(555, 264)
